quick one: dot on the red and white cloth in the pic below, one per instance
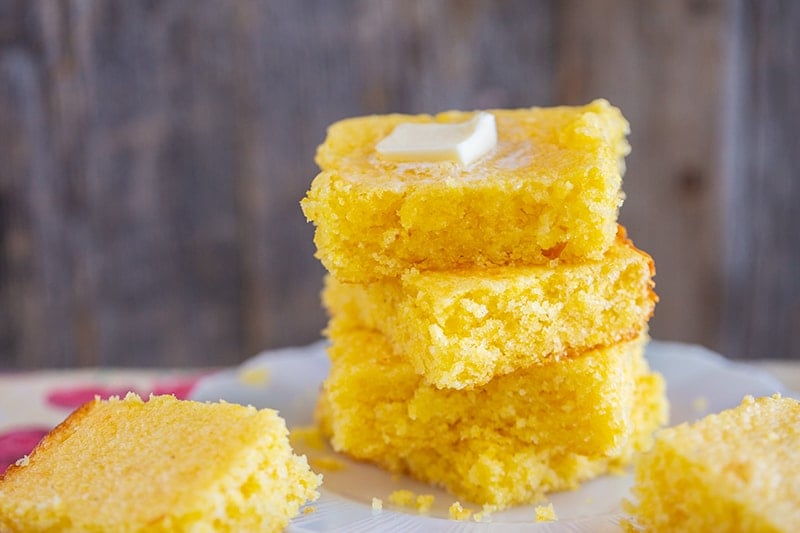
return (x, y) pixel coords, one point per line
(32, 403)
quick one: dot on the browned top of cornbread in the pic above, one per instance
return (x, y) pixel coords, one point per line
(546, 142)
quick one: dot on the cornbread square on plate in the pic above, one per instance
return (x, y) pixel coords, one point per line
(158, 465)
(738, 470)
(461, 328)
(508, 442)
(550, 188)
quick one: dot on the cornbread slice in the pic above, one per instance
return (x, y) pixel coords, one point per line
(461, 328)
(550, 188)
(159, 465)
(738, 470)
(508, 442)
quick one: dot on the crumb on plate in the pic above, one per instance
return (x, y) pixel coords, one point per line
(329, 464)
(308, 435)
(377, 504)
(545, 513)
(457, 512)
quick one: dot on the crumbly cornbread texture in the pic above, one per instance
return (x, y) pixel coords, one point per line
(461, 328)
(545, 513)
(508, 442)
(550, 188)
(161, 465)
(738, 470)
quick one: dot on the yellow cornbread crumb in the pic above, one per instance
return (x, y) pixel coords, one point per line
(330, 464)
(402, 497)
(462, 328)
(377, 504)
(310, 509)
(550, 188)
(545, 513)
(505, 443)
(424, 502)
(457, 512)
(700, 404)
(485, 515)
(159, 465)
(309, 436)
(738, 470)
(254, 377)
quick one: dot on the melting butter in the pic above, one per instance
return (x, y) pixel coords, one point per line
(464, 142)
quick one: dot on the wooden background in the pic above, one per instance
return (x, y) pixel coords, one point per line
(153, 153)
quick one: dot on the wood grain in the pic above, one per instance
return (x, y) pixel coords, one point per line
(663, 67)
(153, 154)
(761, 308)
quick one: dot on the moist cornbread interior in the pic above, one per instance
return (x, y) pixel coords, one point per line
(507, 442)
(460, 328)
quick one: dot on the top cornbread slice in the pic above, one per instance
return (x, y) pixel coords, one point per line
(738, 470)
(550, 188)
(160, 465)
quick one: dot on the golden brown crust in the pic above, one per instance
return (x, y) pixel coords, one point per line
(59, 433)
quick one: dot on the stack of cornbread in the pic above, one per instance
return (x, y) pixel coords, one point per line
(488, 315)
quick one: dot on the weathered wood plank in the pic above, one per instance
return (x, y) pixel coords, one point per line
(154, 154)
(134, 247)
(662, 63)
(35, 285)
(762, 216)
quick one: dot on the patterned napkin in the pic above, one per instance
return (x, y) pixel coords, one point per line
(32, 403)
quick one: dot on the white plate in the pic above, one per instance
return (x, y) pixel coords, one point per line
(698, 382)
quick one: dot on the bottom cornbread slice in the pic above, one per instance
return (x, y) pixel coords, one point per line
(508, 442)
(159, 465)
(738, 470)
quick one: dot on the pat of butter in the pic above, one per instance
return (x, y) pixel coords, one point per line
(464, 142)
